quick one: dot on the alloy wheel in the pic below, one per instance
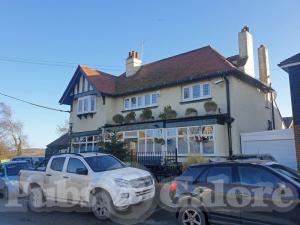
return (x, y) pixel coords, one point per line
(191, 217)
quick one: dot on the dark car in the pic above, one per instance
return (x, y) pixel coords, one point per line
(237, 192)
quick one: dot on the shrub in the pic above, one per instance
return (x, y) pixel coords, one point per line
(130, 117)
(115, 147)
(193, 159)
(191, 112)
(146, 114)
(168, 113)
(118, 118)
(210, 106)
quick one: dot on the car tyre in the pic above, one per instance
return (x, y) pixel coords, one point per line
(36, 200)
(191, 215)
(102, 205)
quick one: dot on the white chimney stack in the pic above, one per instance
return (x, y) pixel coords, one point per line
(133, 63)
(246, 50)
(264, 67)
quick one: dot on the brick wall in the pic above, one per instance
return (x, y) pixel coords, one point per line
(297, 140)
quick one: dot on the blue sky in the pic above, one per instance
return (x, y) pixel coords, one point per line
(102, 32)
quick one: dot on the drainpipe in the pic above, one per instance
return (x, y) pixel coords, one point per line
(70, 136)
(229, 120)
(272, 107)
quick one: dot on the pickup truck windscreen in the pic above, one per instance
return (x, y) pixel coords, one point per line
(104, 163)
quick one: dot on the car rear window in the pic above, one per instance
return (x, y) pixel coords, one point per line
(219, 175)
(191, 174)
(14, 168)
(57, 164)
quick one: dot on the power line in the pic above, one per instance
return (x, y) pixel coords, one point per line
(34, 104)
(52, 63)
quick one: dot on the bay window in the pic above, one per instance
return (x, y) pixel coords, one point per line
(86, 104)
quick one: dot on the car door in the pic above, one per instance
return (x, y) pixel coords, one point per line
(219, 181)
(55, 182)
(77, 179)
(259, 185)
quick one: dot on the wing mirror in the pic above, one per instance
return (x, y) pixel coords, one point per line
(82, 171)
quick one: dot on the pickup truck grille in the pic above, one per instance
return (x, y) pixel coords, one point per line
(141, 193)
(142, 182)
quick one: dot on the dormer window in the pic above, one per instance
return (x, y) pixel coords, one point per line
(86, 105)
(196, 92)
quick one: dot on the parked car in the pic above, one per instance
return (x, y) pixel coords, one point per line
(9, 180)
(241, 182)
(102, 181)
(33, 161)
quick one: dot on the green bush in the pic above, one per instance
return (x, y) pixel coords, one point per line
(210, 106)
(115, 147)
(130, 117)
(193, 159)
(146, 114)
(118, 118)
(168, 113)
(191, 112)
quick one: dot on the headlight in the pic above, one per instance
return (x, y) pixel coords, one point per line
(121, 182)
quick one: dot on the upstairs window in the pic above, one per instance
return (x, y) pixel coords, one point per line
(196, 92)
(86, 104)
(141, 101)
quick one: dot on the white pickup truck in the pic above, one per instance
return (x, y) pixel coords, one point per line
(96, 180)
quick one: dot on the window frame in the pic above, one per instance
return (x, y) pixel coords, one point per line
(62, 169)
(190, 89)
(74, 158)
(89, 102)
(140, 101)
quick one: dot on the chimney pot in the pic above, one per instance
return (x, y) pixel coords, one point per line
(133, 63)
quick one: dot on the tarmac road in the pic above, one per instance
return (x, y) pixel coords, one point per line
(57, 216)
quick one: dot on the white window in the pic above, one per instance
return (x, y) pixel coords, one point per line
(147, 100)
(141, 101)
(86, 104)
(196, 92)
(126, 103)
(133, 102)
(154, 99)
(186, 93)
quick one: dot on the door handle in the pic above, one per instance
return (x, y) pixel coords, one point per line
(49, 175)
(66, 177)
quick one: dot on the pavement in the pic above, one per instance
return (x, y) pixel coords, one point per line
(72, 216)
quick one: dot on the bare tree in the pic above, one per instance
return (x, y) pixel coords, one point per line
(12, 130)
(63, 128)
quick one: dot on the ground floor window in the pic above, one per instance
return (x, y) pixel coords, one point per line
(184, 140)
(85, 143)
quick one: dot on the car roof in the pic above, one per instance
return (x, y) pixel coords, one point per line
(232, 162)
(12, 162)
(83, 154)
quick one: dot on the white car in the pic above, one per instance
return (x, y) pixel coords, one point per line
(99, 181)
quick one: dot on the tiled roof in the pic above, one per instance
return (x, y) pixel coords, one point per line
(103, 82)
(237, 60)
(62, 141)
(291, 60)
(183, 67)
(202, 63)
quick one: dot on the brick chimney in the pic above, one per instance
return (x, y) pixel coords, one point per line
(264, 67)
(133, 63)
(246, 50)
